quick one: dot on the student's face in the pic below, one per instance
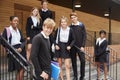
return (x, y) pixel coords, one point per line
(63, 23)
(74, 19)
(102, 35)
(47, 30)
(35, 12)
(14, 22)
(44, 5)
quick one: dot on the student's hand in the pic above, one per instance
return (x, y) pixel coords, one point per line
(19, 50)
(82, 49)
(28, 57)
(28, 38)
(57, 47)
(44, 75)
(68, 48)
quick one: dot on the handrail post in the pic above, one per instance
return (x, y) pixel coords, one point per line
(116, 66)
(89, 67)
(94, 37)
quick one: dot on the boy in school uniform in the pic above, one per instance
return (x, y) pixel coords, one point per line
(40, 52)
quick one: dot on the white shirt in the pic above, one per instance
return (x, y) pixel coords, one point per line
(44, 10)
(15, 36)
(78, 23)
(34, 19)
(64, 35)
(46, 37)
(99, 40)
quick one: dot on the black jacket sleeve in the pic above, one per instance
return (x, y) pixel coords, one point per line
(4, 35)
(51, 15)
(72, 37)
(55, 36)
(22, 40)
(40, 25)
(34, 54)
(28, 27)
(101, 50)
(84, 35)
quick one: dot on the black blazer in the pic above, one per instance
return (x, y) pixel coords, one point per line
(71, 39)
(47, 14)
(100, 49)
(22, 40)
(30, 28)
(80, 34)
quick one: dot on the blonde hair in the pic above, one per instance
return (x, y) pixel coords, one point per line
(49, 23)
(63, 18)
(38, 15)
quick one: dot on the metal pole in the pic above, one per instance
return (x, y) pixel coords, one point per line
(116, 66)
(73, 5)
(109, 34)
(89, 68)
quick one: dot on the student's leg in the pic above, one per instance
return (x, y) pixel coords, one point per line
(98, 70)
(60, 65)
(82, 66)
(67, 67)
(28, 51)
(20, 74)
(74, 62)
(105, 71)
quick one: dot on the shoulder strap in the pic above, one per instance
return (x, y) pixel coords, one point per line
(8, 32)
(80, 24)
(58, 36)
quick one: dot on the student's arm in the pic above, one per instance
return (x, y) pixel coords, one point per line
(4, 34)
(55, 36)
(28, 27)
(84, 35)
(34, 54)
(22, 41)
(72, 38)
(103, 48)
(51, 15)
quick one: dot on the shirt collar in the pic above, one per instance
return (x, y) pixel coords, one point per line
(76, 23)
(100, 40)
(46, 37)
(44, 10)
(11, 28)
(66, 28)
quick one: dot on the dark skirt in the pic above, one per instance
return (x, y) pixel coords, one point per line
(102, 58)
(32, 34)
(63, 52)
(12, 62)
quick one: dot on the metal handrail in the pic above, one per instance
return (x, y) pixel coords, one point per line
(12, 52)
(90, 58)
(115, 59)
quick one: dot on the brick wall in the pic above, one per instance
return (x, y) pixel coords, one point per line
(92, 22)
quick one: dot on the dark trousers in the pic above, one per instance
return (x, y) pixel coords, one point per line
(81, 56)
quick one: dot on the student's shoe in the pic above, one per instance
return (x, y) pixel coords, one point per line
(81, 78)
(75, 78)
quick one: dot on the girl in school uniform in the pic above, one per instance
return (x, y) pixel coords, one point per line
(33, 27)
(17, 41)
(64, 37)
(101, 54)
